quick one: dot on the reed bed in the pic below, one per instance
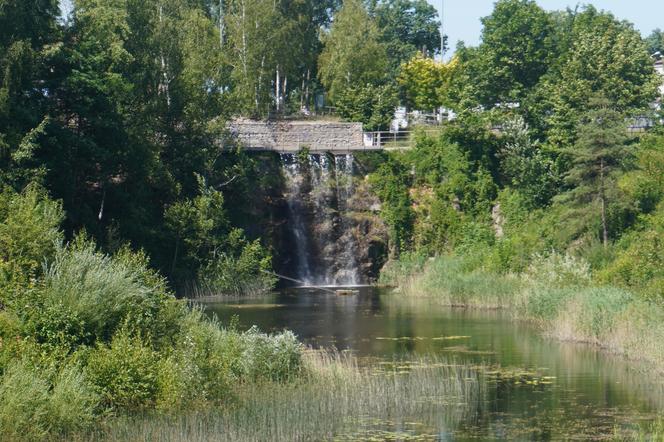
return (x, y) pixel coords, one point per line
(337, 398)
(556, 294)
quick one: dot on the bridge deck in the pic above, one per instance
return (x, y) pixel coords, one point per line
(316, 136)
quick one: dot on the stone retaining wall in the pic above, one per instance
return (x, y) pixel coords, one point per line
(292, 136)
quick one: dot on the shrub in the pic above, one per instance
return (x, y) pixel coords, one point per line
(56, 326)
(178, 382)
(29, 235)
(241, 272)
(214, 355)
(72, 402)
(31, 408)
(275, 358)
(125, 373)
(23, 403)
(101, 291)
(10, 325)
(558, 270)
(640, 263)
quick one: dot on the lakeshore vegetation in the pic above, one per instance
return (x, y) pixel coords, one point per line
(115, 195)
(543, 202)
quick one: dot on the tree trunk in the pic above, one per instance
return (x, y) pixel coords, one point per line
(175, 255)
(306, 93)
(221, 23)
(284, 91)
(602, 197)
(302, 91)
(277, 91)
(244, 41)
(166, 81)
(605, 229)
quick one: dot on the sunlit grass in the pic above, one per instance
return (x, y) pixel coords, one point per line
(552, 295)
(337, 398)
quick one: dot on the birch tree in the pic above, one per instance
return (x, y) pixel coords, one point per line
(352, 54)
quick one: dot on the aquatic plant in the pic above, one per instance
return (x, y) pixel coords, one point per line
(337, 398)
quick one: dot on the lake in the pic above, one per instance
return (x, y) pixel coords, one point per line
(546, 389)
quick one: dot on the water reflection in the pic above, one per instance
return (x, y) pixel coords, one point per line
(590, 393)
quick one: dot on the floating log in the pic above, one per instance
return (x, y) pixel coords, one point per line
(347, 292)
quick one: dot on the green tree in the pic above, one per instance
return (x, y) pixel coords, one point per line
(516, 51)
(28, 37)
(391, 183)
(253, 46)
(596, 161)
(655, 41)
(271, 48)
(645, 184)
(198, 226)
(407, 27)
(88, 141)
(424, 82)
(372, 105)
(526, 165)
(606, 57)
(353, 54)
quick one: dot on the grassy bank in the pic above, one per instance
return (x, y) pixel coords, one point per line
(556, 293)
(335, 398)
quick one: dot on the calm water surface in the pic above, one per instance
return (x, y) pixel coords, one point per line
(588, 394)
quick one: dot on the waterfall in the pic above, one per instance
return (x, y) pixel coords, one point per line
(349, 273)
(319, 191)
(297, 224)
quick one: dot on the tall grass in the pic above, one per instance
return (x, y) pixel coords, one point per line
(653, 432)
(335, 398)
(36, 404)
(447, 280)
(556, 293)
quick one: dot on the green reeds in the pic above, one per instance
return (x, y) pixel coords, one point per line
(554, 294)
(336, 398)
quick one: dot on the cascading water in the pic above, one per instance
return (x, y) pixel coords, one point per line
(319, 191)
(349, 273)
(296, 210)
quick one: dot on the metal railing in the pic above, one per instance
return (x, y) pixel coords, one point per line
(369, 141)
(392, 140)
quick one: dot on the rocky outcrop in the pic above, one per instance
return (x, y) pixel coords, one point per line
(318, 216)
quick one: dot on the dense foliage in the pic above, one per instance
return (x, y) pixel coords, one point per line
(119, 183)
(539, 160)
(85, 335)
(119, 112)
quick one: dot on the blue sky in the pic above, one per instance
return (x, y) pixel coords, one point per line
(462, 17)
